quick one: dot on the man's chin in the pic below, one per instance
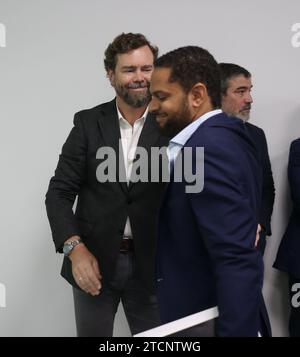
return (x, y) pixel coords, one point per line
(167, 131)
(138, 101)
(244, 115)
(164, 131)
(135, 100)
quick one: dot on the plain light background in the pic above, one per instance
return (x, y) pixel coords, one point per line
(52, 66)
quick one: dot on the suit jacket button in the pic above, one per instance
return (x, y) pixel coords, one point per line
(129, 201)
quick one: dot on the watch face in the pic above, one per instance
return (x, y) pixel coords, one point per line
(67, 248)
(70, 245)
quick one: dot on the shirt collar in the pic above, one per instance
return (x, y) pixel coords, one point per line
(143, 117)
(183, 136)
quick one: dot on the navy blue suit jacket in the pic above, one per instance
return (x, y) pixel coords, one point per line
(205, 254)
(288, 253)
(268, 189)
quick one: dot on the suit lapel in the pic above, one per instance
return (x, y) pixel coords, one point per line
(149, 134)
(110, 129)
(148, 138)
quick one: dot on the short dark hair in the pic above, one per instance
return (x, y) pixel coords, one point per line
(228, 71)
(190, 65)
(125, 43)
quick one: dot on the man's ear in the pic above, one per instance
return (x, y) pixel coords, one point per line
(111, 76)
(198, 94)
(224, 100)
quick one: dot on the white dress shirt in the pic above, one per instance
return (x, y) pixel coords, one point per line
(130, 135)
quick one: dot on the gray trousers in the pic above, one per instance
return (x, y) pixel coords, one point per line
(95, 314)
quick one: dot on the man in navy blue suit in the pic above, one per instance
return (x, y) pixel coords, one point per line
(288, 254)
(205, 252)
(236, 86)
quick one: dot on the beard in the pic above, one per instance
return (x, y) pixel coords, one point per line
(176, 122)
(135, 100)
(245, 116)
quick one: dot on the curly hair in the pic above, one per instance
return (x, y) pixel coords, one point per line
(228, 71)
(125, 43)
(190, 65)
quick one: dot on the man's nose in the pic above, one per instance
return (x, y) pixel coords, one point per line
(139, 76)
(248, 98)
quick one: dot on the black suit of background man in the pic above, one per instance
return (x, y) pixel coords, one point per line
(236, 88)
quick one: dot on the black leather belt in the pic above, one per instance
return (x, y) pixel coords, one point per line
(126, 245)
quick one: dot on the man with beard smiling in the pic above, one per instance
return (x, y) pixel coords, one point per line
(236, 86)
(109, 242)
(205, 251)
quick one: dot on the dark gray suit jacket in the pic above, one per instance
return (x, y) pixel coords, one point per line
(102, 208)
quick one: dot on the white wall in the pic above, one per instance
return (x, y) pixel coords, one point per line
(52, 66)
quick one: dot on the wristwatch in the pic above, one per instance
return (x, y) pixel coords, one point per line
(69, 246)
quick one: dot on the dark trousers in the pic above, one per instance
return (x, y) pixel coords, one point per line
(294, 322)
(95, 314)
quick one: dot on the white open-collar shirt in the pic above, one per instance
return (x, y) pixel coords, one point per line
(130, 135)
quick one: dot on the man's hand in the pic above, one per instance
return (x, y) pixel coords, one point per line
(257, 235)
(85, 269)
